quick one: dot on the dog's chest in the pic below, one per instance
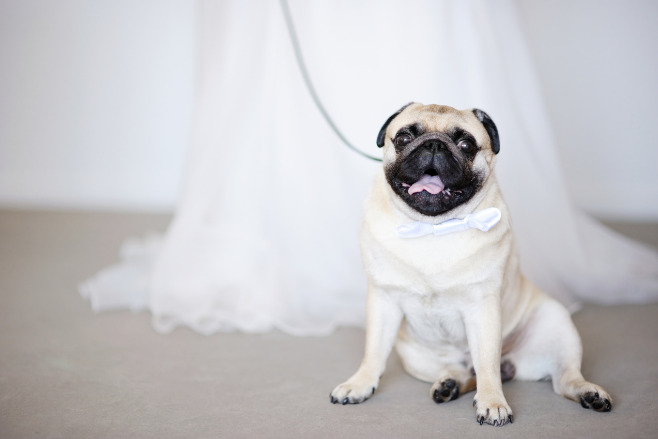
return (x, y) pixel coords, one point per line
(434, 280)
(433, 319)
(427, 266)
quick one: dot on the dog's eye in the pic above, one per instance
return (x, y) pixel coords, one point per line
(402, 139)
(467, 146)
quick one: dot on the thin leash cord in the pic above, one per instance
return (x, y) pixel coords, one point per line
(309, 84)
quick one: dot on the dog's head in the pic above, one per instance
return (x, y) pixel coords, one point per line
(437, 158)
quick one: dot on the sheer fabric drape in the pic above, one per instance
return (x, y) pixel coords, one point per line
(266, 231)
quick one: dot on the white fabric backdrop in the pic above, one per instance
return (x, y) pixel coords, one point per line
(266, 231)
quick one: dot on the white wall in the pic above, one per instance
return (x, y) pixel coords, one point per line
(96, 100)
(597, 61)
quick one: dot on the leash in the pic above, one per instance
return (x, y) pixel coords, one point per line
(309, 85)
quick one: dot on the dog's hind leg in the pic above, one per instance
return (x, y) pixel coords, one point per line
(453, 381)
(551, 348)
(445, 366)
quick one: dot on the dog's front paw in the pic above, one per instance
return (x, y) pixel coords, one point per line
(353, 391)
(492, 411)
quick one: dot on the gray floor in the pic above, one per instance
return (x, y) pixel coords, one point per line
(66, 372)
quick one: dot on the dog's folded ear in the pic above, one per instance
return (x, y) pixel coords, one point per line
(490, 126)
(381, 137)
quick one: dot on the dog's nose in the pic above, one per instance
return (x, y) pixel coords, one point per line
(435, 153)
(434, 146)
(434, 150)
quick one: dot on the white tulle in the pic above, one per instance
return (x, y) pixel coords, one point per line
(266, 232)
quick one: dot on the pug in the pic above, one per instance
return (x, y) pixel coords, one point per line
(444, 284)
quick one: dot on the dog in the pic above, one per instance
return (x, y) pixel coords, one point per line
(444, 283)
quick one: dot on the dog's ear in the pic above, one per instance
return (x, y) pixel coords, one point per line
(381, 137)
(490, 126)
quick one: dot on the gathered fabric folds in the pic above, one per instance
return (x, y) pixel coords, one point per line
(265, 234)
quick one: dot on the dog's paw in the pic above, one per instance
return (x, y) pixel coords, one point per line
(353, 391)
(444, 391)
(596, 401)
(496, 413)
(507, 371)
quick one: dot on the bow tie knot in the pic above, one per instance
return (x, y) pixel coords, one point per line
(483, 220)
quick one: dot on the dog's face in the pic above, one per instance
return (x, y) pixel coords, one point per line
(437, 158)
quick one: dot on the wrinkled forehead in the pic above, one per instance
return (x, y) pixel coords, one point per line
(441, 118)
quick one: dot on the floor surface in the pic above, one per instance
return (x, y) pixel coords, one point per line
(66, 372)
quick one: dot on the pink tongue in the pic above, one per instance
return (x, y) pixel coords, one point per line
(429, 183)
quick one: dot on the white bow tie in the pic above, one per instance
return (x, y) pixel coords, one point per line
(483, 220)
